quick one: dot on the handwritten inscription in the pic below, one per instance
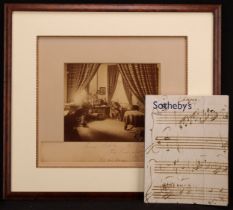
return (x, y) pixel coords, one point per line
(191, 167)
(176, 191)
(186, 151)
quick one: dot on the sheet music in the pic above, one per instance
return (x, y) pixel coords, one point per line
(186, 149)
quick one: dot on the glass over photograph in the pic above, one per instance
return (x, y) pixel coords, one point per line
(90, 96)
(105, 102)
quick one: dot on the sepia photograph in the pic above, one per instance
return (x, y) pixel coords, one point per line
(105, 102)
(90, 96)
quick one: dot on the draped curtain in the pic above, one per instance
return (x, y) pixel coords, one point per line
(79, 76)
(141, 79)
(113, 74)
(127, 91)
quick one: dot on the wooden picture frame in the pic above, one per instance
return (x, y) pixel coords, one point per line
(10, 10)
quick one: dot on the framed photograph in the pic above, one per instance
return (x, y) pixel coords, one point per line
(75, 81)
(102, 90)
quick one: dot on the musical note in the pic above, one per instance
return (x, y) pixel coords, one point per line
(190, 147)
(209, 116)
(189, 142)
(190, 167)
(184, 192)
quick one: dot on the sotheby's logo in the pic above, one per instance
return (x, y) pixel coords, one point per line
(173, 106)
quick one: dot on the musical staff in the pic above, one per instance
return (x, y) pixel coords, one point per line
(191, 167)
(189, 142)
(183, 119)
(183, 192)
(186, 150)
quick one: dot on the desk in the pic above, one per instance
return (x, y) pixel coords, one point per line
(103, 111)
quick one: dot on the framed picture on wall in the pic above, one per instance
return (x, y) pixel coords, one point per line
(102, 90)
(76, 77)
